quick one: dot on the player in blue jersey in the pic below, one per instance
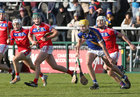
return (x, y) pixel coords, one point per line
(96, 47)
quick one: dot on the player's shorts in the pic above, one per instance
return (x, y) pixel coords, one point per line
(47, 49)
(115, 55)
(99, 53)
(27, 53)
(3, 48)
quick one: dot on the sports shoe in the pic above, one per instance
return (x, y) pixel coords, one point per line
(94, 87)
(127, 81)
(74, 78)
(31, 83)
(124, 87)
(44, 80)
(13, 75)
(15, 80)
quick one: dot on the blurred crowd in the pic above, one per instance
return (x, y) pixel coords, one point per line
(120, 13)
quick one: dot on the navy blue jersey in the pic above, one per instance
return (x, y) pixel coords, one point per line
(93, 37)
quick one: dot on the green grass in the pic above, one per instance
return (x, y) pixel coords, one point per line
(59, 85)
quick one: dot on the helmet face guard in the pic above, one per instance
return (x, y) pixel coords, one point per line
(16, 21)
(101, 18)
(17, 24)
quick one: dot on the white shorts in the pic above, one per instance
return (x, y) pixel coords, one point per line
(99, 53)
(3, 48)
(115, 56)
(27, 53)
(47, 49)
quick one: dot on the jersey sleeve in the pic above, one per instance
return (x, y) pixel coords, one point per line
(12, 38)
(80, 35)
(50, 28)
(10, 26)
(30, 31)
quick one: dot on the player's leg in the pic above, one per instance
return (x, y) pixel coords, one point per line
(3, 49)
(51, 61)
(40, 58)
(90, 57)
(28, 62)
(115, 77)
(16, 59)
(115, 69)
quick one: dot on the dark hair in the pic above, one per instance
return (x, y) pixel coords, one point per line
(75, 1)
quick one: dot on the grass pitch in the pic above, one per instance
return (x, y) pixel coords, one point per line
(59, 85)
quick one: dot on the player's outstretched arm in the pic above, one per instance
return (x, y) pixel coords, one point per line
(133, 47)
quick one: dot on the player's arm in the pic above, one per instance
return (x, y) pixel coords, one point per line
(30, 36)
(78, 45)
(133, 47)
(11, 40)
(53, 34)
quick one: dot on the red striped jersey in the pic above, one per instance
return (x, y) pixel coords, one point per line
(21, 39)
(109, 36)
(40, 31)
(3, 31)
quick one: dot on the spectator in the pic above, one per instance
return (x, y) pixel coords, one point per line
(52, 12)
(85, 7)
(136, 23)
(91, 16)
(62, 19)
(95, 4)
(79, 9)
(135, 7)
(109, 18)
(74, 23)
(71, 9)
(34, 4)
(122, 7)
(127, 22)
(27, 6)
(23, 16)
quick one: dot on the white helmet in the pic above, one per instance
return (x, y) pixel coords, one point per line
(16, 21)
(101, 18)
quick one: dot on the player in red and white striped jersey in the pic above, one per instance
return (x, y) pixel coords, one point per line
(20, 36)
(109, 35)
(39, 29)
(5, 27)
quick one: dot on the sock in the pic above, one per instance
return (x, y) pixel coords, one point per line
(17, 75)
(35, 80)
(95, 81)
(70, 72)
(41, 75)
(124, 76)
(122, 83)
(10, 70)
